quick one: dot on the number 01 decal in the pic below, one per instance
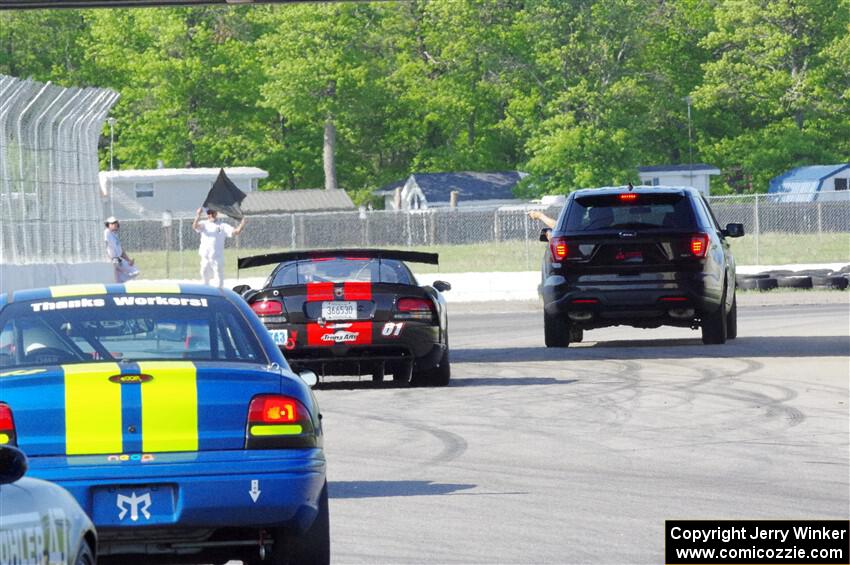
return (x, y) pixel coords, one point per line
(392, 329)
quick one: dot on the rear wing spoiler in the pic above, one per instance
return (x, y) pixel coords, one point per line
(272, 258)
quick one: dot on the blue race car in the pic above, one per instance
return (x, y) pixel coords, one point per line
(171, 416)
(39, 519)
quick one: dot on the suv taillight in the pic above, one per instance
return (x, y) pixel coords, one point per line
(559, 248)
(276, 421)
(7, 426)
(699, 244)
(414, 309)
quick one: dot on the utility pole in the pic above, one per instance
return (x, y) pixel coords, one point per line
(690, 138)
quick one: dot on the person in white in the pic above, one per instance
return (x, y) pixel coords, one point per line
(122, 265)
(213, 233)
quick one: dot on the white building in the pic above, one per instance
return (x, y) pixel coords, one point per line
(148, 193)
(696, 175)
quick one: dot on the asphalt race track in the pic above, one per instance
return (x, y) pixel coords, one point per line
(579, 455)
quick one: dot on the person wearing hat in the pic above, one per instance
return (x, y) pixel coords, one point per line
(123, 266)
(213, 233)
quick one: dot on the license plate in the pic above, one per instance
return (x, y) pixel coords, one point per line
(339, 310)
(137, 505)
(629, 256)
(280, 337)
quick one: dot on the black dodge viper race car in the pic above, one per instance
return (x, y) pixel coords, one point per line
(354, 312)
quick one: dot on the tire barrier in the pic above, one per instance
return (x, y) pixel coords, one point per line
(795, 282)
(837, 282)
(812, 278)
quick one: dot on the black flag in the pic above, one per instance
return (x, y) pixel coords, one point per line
(225, 197)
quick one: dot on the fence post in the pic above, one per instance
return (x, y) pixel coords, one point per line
(757, 229)
(167, 230)
(180, 245)
(527, 241)
(820, 217)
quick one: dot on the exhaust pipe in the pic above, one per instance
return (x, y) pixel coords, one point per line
(681, 313)
(580, 316)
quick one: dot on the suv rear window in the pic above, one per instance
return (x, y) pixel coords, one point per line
(629, 210)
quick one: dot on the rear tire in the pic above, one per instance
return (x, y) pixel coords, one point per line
(313, 547)
(84, 555)
(436, 376)
(714, 328)
(732, 320)
(576, 335)
(556, 331)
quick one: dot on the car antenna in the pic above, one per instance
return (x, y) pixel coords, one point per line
(630, 187)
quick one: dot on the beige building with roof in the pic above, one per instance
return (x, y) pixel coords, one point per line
(295, 201)
(148, 193)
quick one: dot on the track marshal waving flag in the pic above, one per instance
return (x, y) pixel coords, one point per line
(225, 197)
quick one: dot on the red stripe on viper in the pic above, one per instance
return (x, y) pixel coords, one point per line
(320, 291)
(357, 290)
(345, 333)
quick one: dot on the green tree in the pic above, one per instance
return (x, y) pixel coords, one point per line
(43, 45)
(597, 93)
(762, 90)
(189, 82)
(324, 65)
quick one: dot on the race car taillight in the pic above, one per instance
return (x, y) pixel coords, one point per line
(699, 244)
(559, 248)
(267, 308)
(276, 421)
(7, 426)
(269, 311)
(414, 309)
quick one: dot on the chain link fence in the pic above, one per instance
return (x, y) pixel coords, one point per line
(479, 239)
(50, 210)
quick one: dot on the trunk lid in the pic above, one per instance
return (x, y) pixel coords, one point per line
(639, 251)
(146, 407)
(343, 301)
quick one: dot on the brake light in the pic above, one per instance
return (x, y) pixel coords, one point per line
(559, 248)
(673, 299)
(414, 309)
(585, 301)
(699, 244)
(628, 197)
(276, 421)
(7, 426)
(272, 409)
(267, 308)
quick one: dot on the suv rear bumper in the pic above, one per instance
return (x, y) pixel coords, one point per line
(613, 299)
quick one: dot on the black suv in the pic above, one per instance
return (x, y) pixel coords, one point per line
(639, 256)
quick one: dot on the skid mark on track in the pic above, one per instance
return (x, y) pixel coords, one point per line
(734, 403)
(453, 445)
